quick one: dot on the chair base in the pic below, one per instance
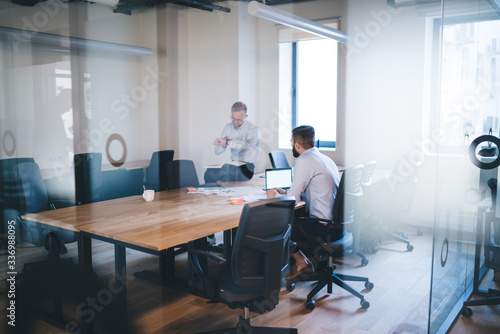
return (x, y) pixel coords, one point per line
(369, 245)
(244, 327)
(466, 311)
(329, 278)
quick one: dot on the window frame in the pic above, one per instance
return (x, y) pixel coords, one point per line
(329, 144)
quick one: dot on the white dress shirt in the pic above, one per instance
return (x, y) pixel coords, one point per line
(315, 180)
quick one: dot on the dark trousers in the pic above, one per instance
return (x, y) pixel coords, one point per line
(229, 173)
(313, 228)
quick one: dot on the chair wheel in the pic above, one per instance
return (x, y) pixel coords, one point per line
(364, 262)
(409, 247)
(365, 304)
(310, 305)
(466, 312)
(290, 286)
(369, 285)
(374, 250)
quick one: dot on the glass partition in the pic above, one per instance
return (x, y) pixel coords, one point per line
(84, 86)
(468, 109)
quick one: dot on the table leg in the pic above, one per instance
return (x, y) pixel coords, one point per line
(121, 278)
(85, 252)
(167, 266)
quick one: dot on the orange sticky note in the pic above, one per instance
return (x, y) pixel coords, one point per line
(236, 201)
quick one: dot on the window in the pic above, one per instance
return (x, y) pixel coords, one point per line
(308, 89)
(469, 83)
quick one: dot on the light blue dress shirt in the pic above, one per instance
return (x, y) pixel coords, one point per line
(244, 144)
(315, 180)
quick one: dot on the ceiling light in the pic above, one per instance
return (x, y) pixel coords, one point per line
(279, 16)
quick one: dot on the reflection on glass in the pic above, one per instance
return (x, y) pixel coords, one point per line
(469, 109)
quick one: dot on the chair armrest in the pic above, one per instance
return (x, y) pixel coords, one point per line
(327, 221)
(60, 203)
(202, 280)
(219, 260)
(220, 264)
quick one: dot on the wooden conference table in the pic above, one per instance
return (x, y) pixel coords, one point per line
(173, 218)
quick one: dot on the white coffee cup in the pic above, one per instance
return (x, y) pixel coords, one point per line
(148, 195)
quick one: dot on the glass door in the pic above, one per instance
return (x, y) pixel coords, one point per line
(468, 109)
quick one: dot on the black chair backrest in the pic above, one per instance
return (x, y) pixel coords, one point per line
(34, 193)
(9, 184)
(156, 172)
(87, 177)
(278, 159)
(348, 193)
(260, 250)
(181, 173)
(366, 178)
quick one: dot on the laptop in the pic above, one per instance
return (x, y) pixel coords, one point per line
(278, 178)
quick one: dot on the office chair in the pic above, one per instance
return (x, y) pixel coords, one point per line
(34, 198)
(9, 190)
(278, 159)
(259, 259)
(491, 260)
(155, 175)
(181, 173)
(385, 206)
(369, 244)
(366, 176)
(87, 177)
(345, 206)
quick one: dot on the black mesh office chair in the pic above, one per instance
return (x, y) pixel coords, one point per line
(155, 175)
(181, 173)
(323, 252)
(34, 198)
(491, 260)
(368, 242)
(9, 191)
(259, 259)
(87, 177)
(386, 206)
(278, 159)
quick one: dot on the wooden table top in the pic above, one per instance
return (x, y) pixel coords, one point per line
(174, 217)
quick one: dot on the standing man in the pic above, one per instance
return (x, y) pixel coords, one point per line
(242, 137)
(315, 180)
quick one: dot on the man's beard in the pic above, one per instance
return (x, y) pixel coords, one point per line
(295, 153)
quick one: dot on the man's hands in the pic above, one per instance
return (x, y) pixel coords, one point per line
(271, 193)
(222, 142)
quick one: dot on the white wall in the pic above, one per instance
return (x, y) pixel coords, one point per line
(385, 81)
(268, 80)
(215, 70)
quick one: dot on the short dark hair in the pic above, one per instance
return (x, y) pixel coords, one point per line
(237, 106)
(304, 135)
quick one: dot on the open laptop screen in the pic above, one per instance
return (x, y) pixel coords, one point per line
(279, 178)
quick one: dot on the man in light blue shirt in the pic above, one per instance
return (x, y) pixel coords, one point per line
(315, 180)
(243, 138)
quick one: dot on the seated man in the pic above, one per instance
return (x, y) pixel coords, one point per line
(242, 137)
(315, 180)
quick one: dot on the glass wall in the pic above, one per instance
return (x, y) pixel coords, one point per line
(468, 109)
(414, 88)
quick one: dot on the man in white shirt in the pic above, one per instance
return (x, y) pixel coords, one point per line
(315, 180)
(243, 138)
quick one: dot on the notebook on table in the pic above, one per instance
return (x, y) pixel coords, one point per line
(278, 178)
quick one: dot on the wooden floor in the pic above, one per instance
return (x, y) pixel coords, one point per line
(399, 300)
